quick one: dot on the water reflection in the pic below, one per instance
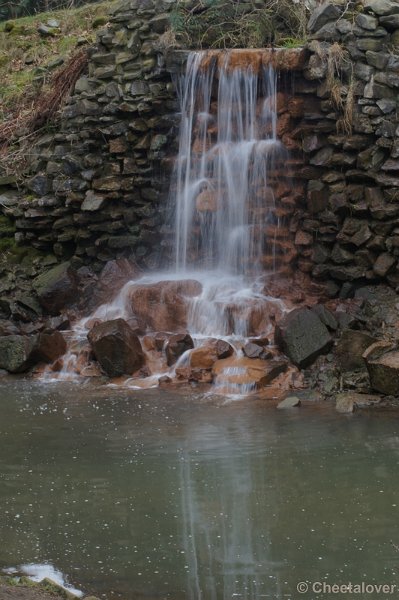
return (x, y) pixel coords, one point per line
(151, 496)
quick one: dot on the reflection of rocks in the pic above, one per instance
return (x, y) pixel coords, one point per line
(302, 336)
(116, 347)
(163, 306)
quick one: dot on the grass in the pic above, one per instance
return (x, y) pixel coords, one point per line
(24, 52)
(221, 24)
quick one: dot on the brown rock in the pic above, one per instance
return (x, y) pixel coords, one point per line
(116, 347)
(50, 346)
(256, 372)
(206, 201)
(163, 306)
(252, 350)
(176, 346)
(114, 276)
(205, 356)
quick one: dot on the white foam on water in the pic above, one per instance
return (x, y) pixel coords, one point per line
(38, 572)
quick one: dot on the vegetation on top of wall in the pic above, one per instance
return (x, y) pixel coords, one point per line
(40, 57)
(23, 8)
(226, 24)
(29, 52)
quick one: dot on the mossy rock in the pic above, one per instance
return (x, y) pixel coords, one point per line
(9, 26)
(99, 21)
(7, 227)
(6, 244)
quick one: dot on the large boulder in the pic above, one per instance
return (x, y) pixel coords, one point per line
(116, 347)
(50, 345)
(176, 346)
(57, 288)
(17, 353)
(383, 366)
(163, 306)
(351, 347)
(302, 336)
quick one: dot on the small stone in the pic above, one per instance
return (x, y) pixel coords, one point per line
(92, 202)
(384, 264)
(52, 23)
(46, 31)
(366, 21)
(344, 403)
(289, 402)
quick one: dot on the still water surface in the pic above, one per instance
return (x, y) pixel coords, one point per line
(150, 495)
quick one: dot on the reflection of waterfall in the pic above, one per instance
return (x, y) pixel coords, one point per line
(220, 196)
(227, 555)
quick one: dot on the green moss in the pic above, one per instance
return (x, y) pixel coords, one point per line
(291, 43)
(20, 41)
(6, 244)
(67, 43)
(7, 227)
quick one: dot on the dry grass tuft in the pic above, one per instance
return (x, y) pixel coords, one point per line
(33, 113)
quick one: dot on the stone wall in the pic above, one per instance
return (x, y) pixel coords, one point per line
(100, 184)
(348, 230)
(98, 181)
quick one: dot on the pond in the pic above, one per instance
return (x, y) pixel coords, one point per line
(150, 494)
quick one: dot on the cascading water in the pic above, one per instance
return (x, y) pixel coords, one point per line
(220, 196)
(223, 209)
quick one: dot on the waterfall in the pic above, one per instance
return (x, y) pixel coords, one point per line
(228, 144)
(226, 207)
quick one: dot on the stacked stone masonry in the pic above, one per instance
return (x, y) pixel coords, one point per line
(100, 183)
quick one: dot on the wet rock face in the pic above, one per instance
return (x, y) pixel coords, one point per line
(205, 356)
(302, 336)
(176, 346)
(113, 277)
(116, 348)
(164, 306)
